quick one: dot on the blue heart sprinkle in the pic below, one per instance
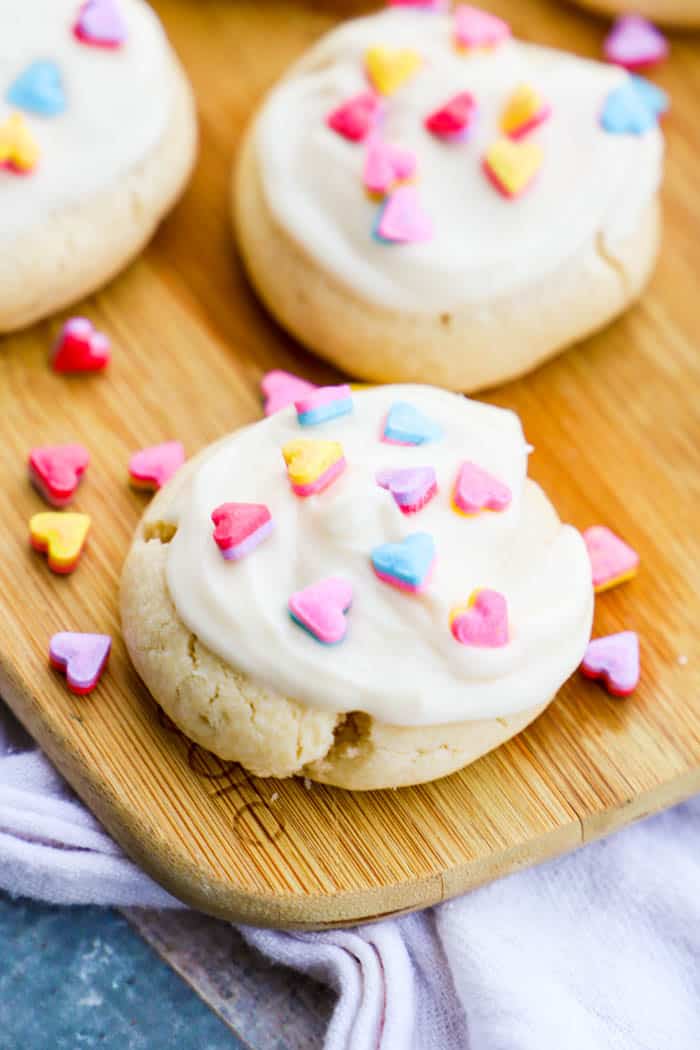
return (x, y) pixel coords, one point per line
(38, 89)
(409, 561)
(405, 424)
(656, 99)
(634, 107)
(376, 235)
(311, 634)
(324, 413)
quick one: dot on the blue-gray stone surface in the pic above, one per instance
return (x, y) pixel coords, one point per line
(81, 978)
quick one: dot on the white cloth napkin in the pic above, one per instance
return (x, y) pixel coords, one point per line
(597, 951)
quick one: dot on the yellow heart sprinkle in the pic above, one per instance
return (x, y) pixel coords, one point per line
(308, 458)
(390, 68)
(61, 535)
(522, 107)
(463, 607)
(513, 165)
(17, 144)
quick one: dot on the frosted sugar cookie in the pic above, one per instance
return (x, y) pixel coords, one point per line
(424, 198)
(386, 629)
(97, 139)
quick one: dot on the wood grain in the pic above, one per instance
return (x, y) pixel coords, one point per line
(616, 427)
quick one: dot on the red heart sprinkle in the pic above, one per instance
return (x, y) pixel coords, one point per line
(80, 348)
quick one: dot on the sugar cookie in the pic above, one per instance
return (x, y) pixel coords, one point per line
(357, 644)
(101, 123)
(525, 226)
(669, 12)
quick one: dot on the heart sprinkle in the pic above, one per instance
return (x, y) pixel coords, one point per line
(634, 107)
(614, 659)
(321, 609)
(635, 43)
(80, 348)
(407, 565)
(455, 120)
(386, 166)
(653, 97)
(476, 29)
(100, 23)
(313, 465)
(524, 111)
(357, 117)
(512, 166)
(406, 425)
(435, 6)
(240, 527)
(56, 471)
(389, 69)
(61, 536)
(402, 220)
(38, 89)
(150, 468)
(280, 389)
(476, 490)
(82, 657)
(323, 404)
(19, 151)
(612, 560)
(482, 622)
(411, 487)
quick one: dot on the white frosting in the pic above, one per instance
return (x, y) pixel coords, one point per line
(484, 246)
(399, 661)
(118, 104)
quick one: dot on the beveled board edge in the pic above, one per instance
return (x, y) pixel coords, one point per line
(175, 872)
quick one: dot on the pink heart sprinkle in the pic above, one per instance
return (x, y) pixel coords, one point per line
(321, 609)
(476, 490)
(485, 623)
(455, 119)
(240, 527)
(475, 28)
(355, 118)
(56, 471)
(83, 657)
(612, 560)
(615, 660)
(635, 43)
(100, 22)
(281, 389)
(152, 467)
(422, 5)
(403, 220)
(385, 165)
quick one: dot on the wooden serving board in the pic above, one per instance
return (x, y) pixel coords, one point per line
(616, 427)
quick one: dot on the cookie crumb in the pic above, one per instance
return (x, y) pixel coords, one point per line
(274, 796)
(307, 783)
(682, 659)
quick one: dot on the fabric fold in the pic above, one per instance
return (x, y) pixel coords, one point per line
(600, 949)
